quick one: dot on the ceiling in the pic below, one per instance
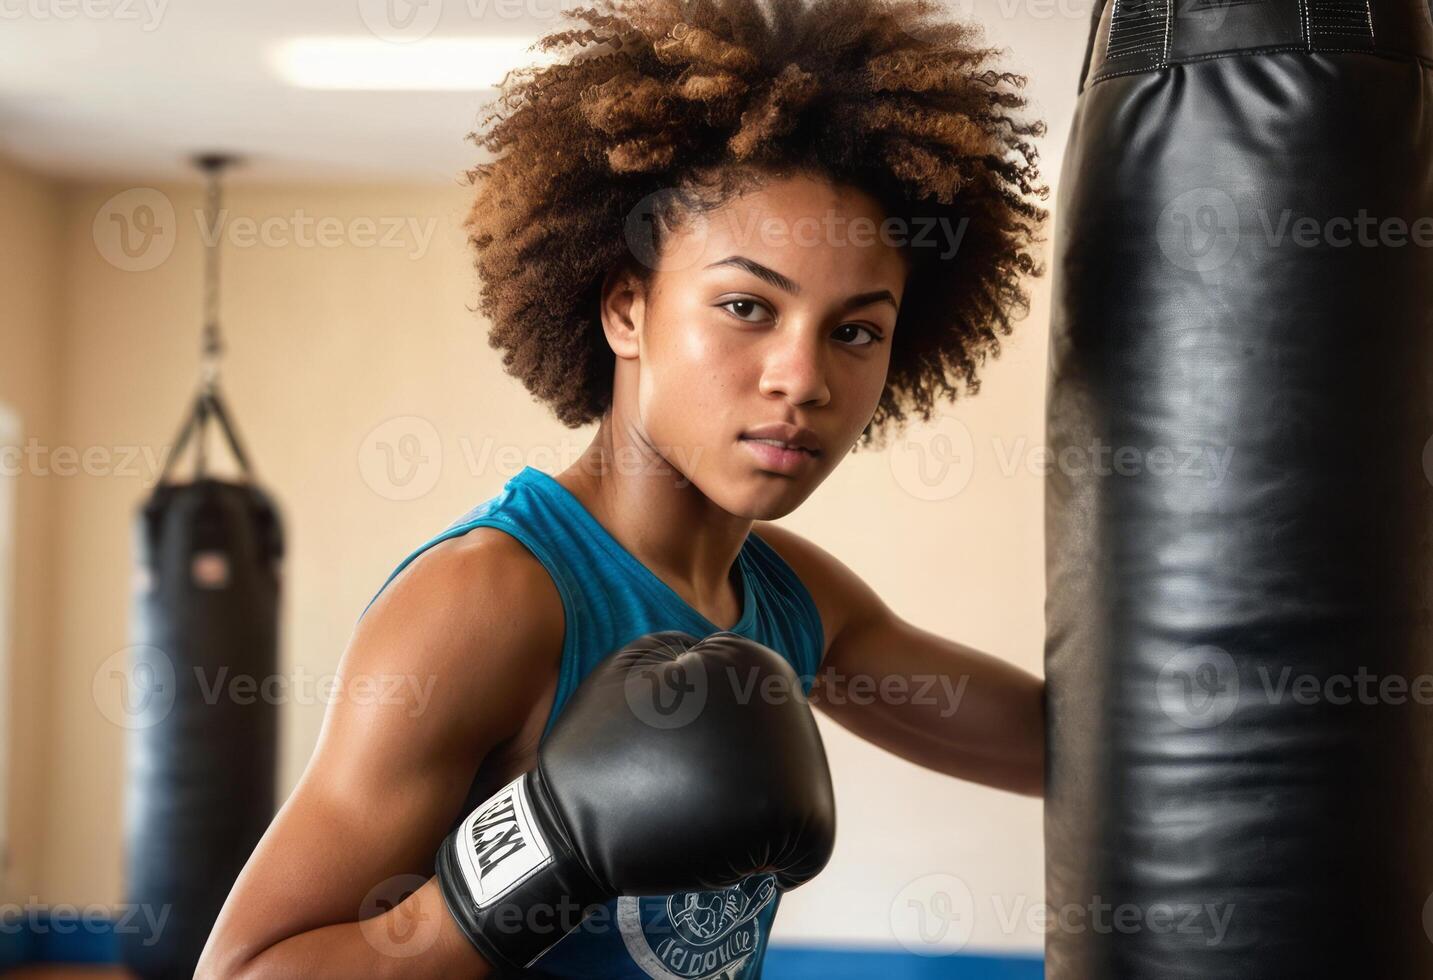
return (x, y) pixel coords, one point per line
(130, 89)
(126, 89)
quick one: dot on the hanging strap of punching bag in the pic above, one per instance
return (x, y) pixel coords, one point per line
(208, 403)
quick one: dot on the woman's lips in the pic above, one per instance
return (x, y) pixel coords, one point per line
(779, 457)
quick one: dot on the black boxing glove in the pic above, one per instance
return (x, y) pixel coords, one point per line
(678, 765)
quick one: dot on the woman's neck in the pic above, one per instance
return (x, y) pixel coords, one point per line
(662, 518)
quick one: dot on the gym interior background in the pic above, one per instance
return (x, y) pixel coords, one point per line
(375, 412)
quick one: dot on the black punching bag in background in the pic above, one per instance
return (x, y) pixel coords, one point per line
(1238, 518)
(202, 748)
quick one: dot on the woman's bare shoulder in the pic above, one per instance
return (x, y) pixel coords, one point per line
(479, 613)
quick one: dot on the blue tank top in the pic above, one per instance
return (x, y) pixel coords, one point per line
(610, 598)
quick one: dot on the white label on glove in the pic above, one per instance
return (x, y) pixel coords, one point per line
(500, 845)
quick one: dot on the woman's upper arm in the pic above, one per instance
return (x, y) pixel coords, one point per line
(445, 665)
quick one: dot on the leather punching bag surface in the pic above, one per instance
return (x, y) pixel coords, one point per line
(202, 749)
(1238, 514)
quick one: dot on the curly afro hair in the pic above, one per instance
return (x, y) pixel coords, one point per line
(648, 96)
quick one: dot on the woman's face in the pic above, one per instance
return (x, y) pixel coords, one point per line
(758, 351)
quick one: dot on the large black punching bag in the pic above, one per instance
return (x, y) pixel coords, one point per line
(1239, 643)
(203, 721)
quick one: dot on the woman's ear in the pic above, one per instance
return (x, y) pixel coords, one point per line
(624, 307)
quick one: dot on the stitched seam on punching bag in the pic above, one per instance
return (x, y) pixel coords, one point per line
(1341, 18)
(1385, 54)
(1164, 55)
(1144, 29)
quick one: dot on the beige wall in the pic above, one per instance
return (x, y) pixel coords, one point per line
(339, 352)
(30, 350)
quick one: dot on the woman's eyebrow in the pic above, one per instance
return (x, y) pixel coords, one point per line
(789, 285)
(768, 275)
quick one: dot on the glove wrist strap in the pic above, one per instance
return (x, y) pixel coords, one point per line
(511, 879)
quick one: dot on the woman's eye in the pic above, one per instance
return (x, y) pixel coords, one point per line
(852, 334)
(742, 308)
